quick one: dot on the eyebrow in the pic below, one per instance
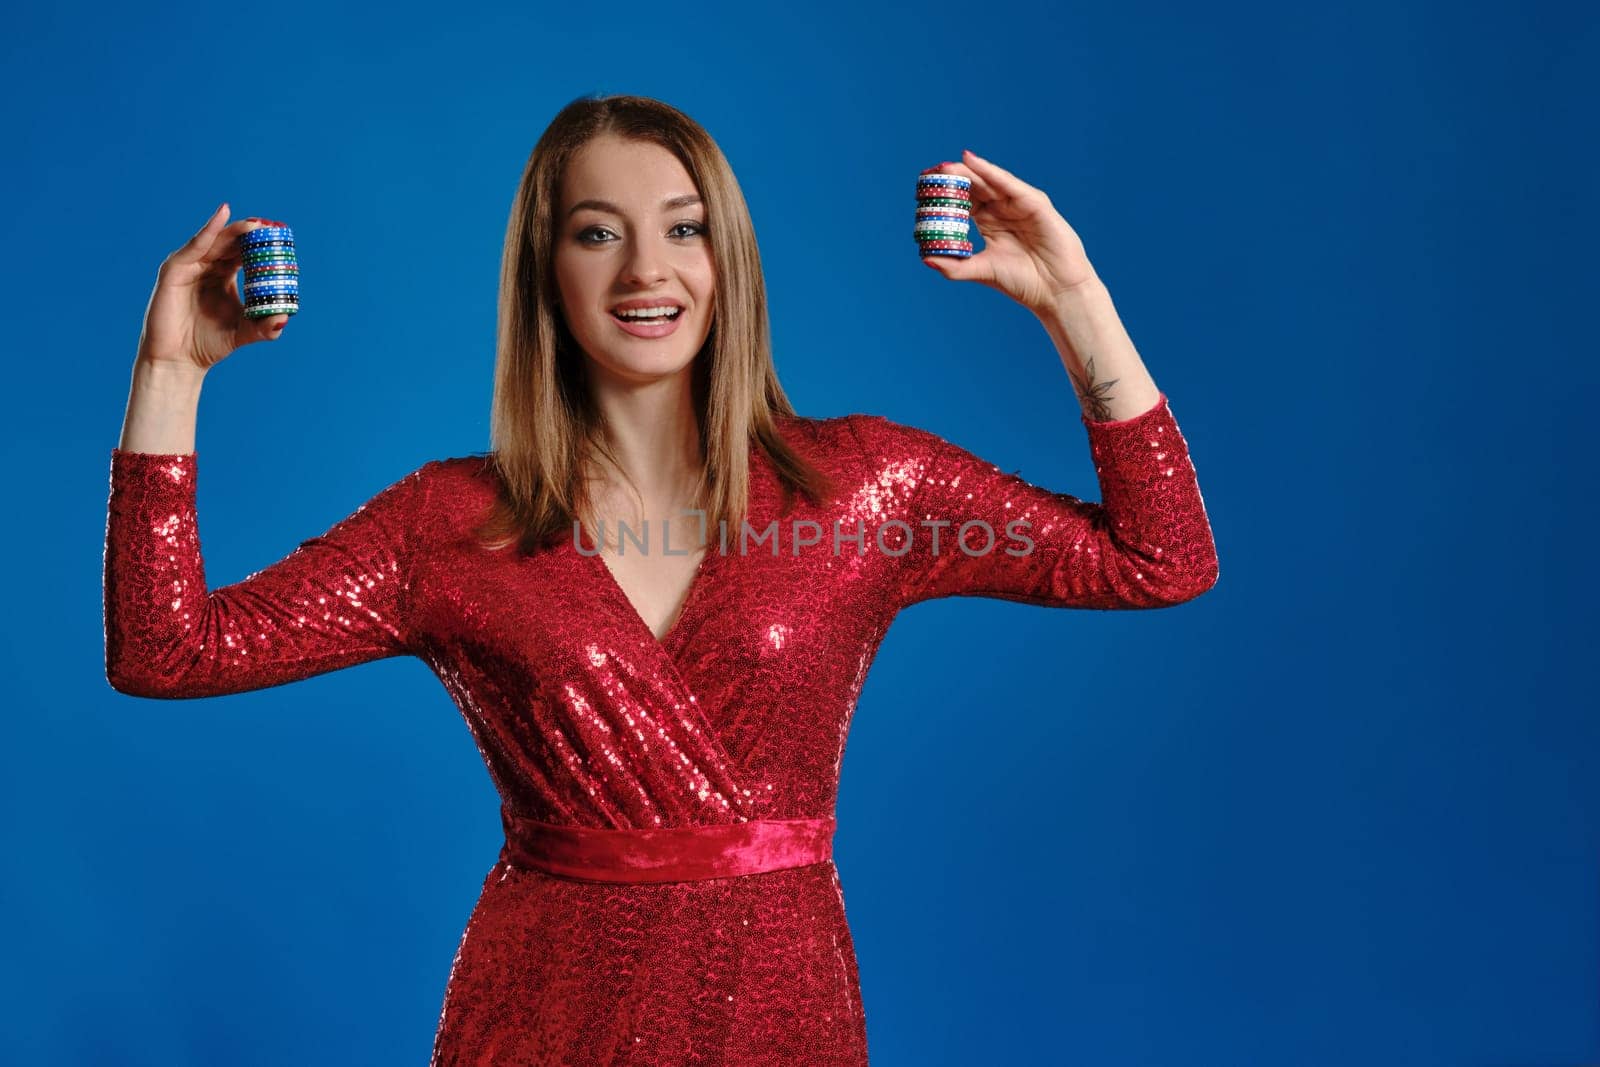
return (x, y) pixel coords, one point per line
(606, 205)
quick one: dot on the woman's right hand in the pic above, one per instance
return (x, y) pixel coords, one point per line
(195, 318)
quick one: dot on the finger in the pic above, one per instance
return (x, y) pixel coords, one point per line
(997, 177)
(265, 329)
(958, 269)
(982, 190)
(195, 248)
(224, 246)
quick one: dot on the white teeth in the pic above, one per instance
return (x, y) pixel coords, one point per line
(646, 313)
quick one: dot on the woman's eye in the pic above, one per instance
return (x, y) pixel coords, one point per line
(592, 235)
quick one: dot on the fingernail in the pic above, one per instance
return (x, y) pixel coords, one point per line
(252, 218)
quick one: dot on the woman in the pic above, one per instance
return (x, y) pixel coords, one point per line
(664, 722)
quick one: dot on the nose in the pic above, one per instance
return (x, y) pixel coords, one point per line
(645, 263)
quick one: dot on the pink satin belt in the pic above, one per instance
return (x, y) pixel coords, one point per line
(674, 854)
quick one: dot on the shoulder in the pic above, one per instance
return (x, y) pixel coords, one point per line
(875, 449)
(455, 468)
(856, 431)
(458, 478)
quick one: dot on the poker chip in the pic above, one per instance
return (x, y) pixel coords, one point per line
(271, 271)
(944, 214)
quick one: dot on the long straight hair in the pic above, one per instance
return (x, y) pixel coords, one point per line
(545, 427)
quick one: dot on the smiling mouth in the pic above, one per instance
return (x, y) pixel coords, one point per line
(648, 319)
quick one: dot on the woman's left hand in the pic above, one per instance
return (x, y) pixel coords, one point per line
(1030, 253)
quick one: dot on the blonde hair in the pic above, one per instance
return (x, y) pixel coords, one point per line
(545, 428)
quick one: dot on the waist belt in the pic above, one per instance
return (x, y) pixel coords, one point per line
(675, 854)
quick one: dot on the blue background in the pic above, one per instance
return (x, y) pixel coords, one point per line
(1343, 809)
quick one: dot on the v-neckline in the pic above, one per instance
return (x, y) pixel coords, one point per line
(668, 641)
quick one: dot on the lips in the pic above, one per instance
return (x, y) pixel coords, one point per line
(647, 302)
(647, 319)
(656, 327)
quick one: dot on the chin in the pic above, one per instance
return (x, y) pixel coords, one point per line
(642, 360)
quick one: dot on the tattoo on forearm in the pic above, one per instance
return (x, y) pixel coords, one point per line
(1093, 395)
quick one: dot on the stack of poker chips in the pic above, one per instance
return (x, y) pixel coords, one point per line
(271, 274)
(944, 214)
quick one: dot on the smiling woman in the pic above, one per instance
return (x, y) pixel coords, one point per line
(665, 728)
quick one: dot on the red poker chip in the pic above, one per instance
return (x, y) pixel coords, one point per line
(965, 246)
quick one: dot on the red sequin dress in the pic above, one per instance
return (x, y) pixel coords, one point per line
(594, 729)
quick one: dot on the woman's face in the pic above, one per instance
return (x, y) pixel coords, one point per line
(631, 230)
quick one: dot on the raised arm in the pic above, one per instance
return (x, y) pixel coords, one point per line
(1148, 544)
(335, 601)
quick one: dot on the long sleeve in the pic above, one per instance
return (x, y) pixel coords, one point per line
(335, 601)
(1148, 544)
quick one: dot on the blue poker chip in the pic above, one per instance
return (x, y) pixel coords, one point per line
(956, 253)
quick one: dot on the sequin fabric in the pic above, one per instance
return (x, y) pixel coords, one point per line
(585, 719)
